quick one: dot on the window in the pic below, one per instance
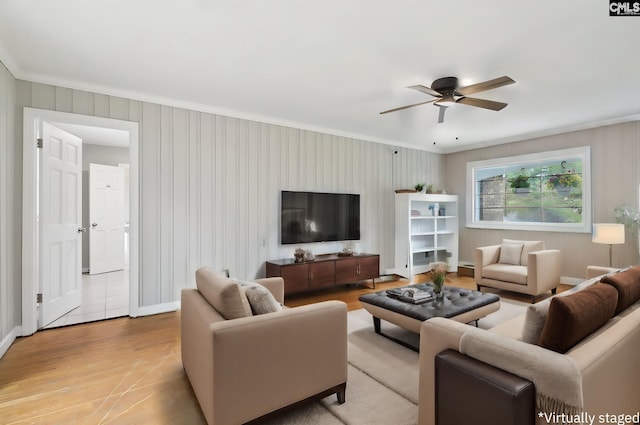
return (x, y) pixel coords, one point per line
(547, 191)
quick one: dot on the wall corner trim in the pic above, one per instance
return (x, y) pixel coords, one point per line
(8, 340)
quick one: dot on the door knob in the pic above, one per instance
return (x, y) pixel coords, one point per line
(81, 230)
(94, 224)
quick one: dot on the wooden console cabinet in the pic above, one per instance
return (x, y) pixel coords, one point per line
(325, 272)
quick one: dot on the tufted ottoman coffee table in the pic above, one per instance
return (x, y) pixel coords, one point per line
(461, 305)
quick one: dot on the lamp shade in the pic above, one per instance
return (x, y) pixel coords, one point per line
(608, 233)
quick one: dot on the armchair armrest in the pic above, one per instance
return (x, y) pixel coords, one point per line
(543, 273)
(275, 285)
(277, 359)
(484, 256)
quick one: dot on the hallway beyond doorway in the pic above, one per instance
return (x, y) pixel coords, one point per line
(104, 296)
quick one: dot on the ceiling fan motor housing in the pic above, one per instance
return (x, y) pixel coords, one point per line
(445, 86)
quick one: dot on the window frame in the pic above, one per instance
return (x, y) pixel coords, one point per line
(583, 152)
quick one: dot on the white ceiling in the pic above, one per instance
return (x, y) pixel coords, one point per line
(97, 135)
(333, 65)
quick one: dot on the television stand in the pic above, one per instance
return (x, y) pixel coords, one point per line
(326, 271)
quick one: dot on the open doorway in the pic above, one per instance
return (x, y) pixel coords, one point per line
(105, 218)
(32, 276)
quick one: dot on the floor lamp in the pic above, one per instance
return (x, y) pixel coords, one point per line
(610, 234)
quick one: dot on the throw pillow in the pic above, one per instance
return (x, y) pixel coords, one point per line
(222, 293)
(510, 253)
(537, 313)
(576, 316)
(627, 283)
(534, 320)
(260, 298)
(530, 246)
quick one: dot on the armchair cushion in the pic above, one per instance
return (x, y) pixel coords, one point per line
(510, 253)
(574, 317)
(628, 286)
(222, 293)
(506, 272)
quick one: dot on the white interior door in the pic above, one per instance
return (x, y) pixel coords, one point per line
(106, 218)
(60, 215)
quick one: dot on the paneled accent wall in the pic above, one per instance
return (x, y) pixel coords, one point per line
(210, 185)
(615, 155)
(10, 198)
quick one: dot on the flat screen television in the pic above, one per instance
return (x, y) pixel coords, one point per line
(319, 217)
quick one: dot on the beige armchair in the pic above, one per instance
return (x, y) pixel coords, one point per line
(519, 266)
(243, 366)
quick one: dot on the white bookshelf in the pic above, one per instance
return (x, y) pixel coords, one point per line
(423, 236)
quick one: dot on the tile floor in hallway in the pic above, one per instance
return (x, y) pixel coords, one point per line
(104, 296)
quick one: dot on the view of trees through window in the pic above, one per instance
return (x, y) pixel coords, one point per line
(546, 191)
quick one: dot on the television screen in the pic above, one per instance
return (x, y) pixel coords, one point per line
(319, 217)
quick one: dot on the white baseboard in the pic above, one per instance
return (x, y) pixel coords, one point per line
(149, 310)
(573, 281)
(8, 340)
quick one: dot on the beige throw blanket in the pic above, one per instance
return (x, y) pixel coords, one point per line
(556, 376)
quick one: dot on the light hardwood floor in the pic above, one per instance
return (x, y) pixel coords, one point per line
(118, 371)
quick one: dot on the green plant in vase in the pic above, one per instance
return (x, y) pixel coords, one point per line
(628, 216)
(439, 271)
(419, 187)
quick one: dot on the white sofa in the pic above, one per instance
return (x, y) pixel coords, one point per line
(599, 375)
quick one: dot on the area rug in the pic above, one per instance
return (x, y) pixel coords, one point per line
(382, 386)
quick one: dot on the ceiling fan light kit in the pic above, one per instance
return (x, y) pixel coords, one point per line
(447, 90)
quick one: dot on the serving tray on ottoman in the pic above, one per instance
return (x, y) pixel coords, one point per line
(461, 305)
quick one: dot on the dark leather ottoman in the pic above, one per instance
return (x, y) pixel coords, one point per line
(461, 305)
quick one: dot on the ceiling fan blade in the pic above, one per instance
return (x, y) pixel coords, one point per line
(487, 85)
(425, 89)
(441, 113)
(482, 103)
(407, 106)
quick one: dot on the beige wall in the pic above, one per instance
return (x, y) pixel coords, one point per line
(210, 185)
(10, 220)
(615, 156)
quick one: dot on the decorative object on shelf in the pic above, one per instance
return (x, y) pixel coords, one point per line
(308, 255)
(521, 184)
(564, 183)
(429, 189)
(610, 234)
(419, 187)
(346, 251)
(303, 255)
(439, 271)
(298, 254)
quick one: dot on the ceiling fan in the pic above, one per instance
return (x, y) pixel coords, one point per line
(446, 90)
